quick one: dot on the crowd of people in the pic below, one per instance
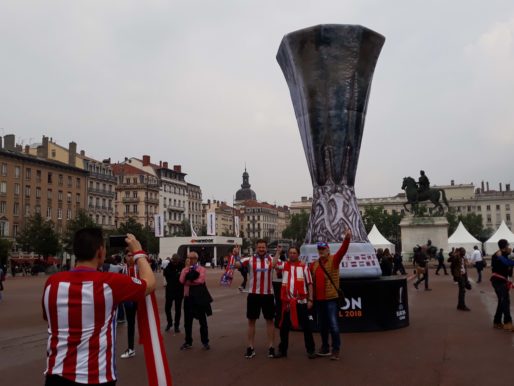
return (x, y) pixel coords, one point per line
(81, 346)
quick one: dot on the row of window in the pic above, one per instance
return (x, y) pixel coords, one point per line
(151, 210)
(28, 175)
(105, 187)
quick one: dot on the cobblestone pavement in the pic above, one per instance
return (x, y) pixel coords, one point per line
(442, 346)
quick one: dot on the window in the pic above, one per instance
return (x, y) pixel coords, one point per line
(28, 174)
(27, 210)
(38, 192)
(91, 202)
(127, 209)
(49, 212)
(497, 207)
(103, 220)
(134, 194)
(53, 153)
(4, 169)
(78, 182)
(68, 197)
(15, 230)
(507, 217)
(59, 196)
(49, 194)
(68, 214)
(488, 218)
(49, 177)
(488, 207)
(134, 208)
(507, 206)
(77, 196)
(16, 209)
(59, 213)
(38, 175)
(27, 191)
(469, 208)
(17, 172)
(38, 209)
(110, 204)
(3, 187)
(90, 184)
(4, 228)
(97, 186)
(479, 208)
(70, 181)
(60, 180)
(3, 207)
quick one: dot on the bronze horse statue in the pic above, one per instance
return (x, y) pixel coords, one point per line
(414, 197)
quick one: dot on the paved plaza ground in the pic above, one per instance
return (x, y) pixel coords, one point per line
(442, 346)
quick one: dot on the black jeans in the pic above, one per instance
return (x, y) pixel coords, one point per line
(398, 266)
(170, 297)
(55, 380)
(303, 319)
(130, 311)
(439, 266)
(461, 281)
(503, 308)
(189, 315)
(479, 265)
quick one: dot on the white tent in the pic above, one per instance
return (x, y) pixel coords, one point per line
(503, 232)
(462, 238)
(379, 241)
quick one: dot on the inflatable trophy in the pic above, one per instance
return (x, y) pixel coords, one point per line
(329, 69)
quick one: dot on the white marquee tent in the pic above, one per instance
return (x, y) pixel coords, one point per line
(503, 232)
(462, 238)
(379, 241)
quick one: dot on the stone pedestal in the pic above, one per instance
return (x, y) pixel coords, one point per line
(417, 230)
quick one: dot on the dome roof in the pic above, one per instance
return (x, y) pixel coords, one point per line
(245, 193)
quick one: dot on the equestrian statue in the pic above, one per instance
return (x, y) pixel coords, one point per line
(420, 191)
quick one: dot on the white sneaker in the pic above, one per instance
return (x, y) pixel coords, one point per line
(129, 353)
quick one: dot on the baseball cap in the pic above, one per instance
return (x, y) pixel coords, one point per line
(321, 244)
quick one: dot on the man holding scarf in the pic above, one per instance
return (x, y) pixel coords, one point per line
(296, 295)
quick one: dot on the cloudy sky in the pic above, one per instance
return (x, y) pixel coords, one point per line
(196, 83)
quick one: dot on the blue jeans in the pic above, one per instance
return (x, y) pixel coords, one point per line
(328, 319)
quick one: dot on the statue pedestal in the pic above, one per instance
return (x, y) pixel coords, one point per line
(417, 230)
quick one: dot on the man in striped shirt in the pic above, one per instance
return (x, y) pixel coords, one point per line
(80, 307)
(260, 294)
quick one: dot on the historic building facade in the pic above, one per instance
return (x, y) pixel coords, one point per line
(31, 184)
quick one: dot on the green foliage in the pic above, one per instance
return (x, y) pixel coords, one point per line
(82, 220)
(184, 229)
(297, 228)
(472, 222)
(145, 235)
(5, 247)
(39, 236)
(387, 224)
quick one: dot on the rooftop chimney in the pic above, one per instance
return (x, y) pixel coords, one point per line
(165, 165)
(1, 140)
(453, 183)
(27, 149)
(82, 153)
(177, 168)
(487, 185)
(44, 148)
(482, 186)
(146, 160)
(160, 164)
(9, 142)
(501, 188)
(72, 154)
(507, 187)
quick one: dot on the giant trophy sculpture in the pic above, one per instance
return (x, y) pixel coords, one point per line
(329, 69)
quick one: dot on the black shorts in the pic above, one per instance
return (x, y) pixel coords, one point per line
(255, 303)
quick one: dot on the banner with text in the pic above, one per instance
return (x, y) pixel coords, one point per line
(159, 225)
(211, 224)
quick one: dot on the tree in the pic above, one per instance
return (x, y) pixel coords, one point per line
(38, 236)
(82, 220)
(387, 224)
(184, 229)
(297, 228)
(145, 235)
(472, 222)
(5, 247)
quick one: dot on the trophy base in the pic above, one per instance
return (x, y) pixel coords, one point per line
(360, 261)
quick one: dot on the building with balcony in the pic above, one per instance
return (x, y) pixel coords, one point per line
(31, 184)
(225, 214)
(194, 206)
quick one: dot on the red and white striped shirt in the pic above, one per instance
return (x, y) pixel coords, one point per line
(295, 279)
(80, 307)
(261, 272)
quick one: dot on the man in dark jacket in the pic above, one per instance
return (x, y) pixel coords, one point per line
(502, 268)
(174, 291)
(421, 263)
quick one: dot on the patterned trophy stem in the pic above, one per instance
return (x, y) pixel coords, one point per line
(334, 208)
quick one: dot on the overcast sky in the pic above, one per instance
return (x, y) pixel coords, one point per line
(196, 83)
